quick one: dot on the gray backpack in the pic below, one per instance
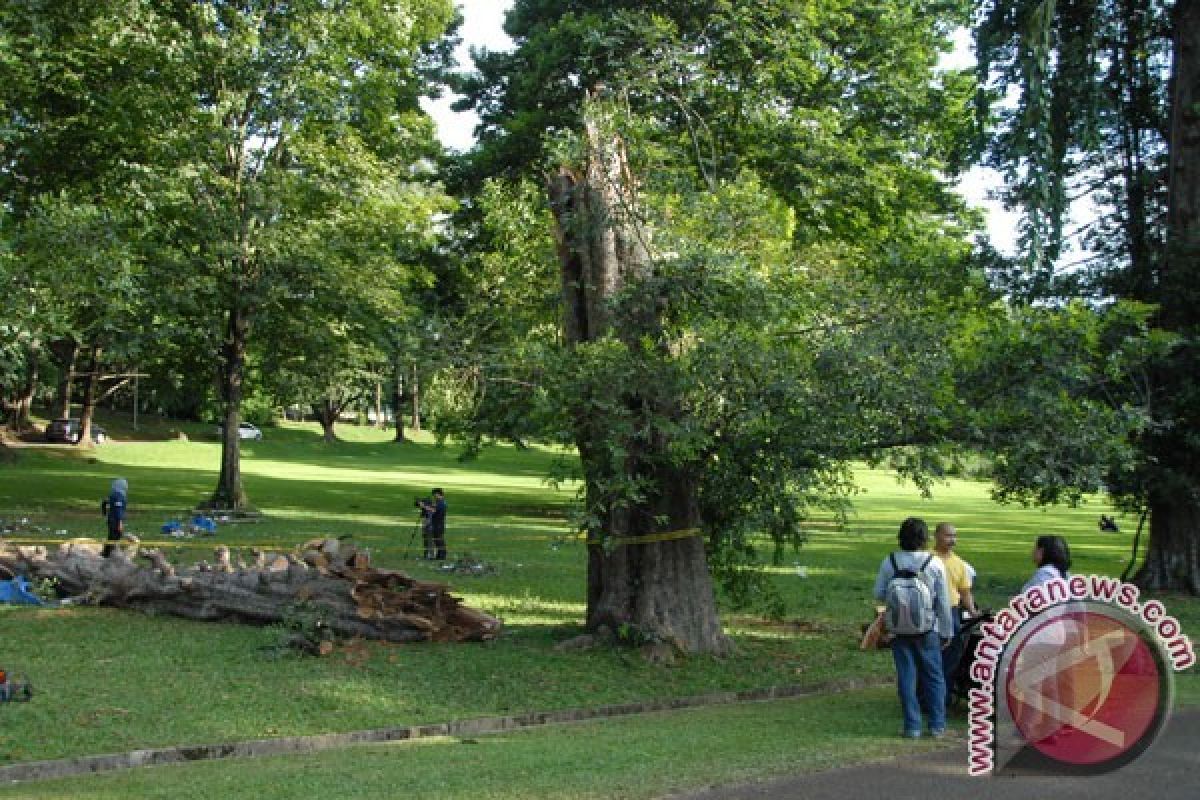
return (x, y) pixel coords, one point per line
(908, 603)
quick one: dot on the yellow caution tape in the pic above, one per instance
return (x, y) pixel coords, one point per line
(667, 536)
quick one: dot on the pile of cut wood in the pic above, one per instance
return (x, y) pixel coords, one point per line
(331, 578)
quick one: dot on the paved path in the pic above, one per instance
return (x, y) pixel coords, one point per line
(1169, 771)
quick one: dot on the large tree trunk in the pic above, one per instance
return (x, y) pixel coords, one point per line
(330, 581)
(22, 404)
(229, 494)
(65, 351)
(90, 391)
(647, 569)
(327, 414)
(1173, 554)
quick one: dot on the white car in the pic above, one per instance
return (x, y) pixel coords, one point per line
(245, 431)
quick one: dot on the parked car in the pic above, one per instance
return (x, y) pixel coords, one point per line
(245, 431)
(68, 431)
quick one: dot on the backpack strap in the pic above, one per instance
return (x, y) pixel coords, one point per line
(895, 566)
(926, 564)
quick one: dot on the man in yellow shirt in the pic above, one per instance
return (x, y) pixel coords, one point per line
(958, 582)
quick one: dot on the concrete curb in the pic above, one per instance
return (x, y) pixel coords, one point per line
(87, 765)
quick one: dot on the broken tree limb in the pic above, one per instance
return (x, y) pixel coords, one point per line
(352, 598)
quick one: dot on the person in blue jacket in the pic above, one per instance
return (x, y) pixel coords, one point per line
(113, 508)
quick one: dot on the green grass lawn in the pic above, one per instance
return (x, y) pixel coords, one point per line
(632, 757)
(111, 681)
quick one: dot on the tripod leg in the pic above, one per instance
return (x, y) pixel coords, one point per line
(412, 538)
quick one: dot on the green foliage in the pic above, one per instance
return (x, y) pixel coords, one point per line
(284, 166)
(78, 124)
(306, 620)
(1064, 89)
(813, 296)
(1096, 116)
(835, 105)
(503, 330)
(46, 589)
(259, 409)
(1059, 395)
(83, 261)
(744, 587)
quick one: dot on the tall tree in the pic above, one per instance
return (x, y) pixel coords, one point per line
(732, 220)
(88, 86)
(1173, 556)
(646, 564)
(87, 255)
(1105, 110)
(306, 111)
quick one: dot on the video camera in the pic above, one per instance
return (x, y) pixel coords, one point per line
(423, 503)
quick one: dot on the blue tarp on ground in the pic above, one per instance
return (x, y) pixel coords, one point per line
(202, 524)
(18, 592)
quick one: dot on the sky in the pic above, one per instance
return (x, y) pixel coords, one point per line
(483, 26)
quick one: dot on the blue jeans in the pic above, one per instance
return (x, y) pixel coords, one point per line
(919, 661)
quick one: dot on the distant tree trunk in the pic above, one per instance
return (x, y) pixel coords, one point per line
(327, 414)
(380, 422)
(229, 493)
(91, 388)
(398, 400)
(1173, 554)
(23, 402)
(414, 395)
(65, 351)
(660, 586)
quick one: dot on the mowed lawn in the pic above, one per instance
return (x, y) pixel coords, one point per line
(111, 681)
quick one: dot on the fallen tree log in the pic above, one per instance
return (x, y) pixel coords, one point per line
(329, 580)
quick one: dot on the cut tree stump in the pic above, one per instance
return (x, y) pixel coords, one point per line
(329, 579)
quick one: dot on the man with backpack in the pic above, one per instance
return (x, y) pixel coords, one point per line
(911, 584)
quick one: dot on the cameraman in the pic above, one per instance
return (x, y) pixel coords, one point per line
(433, 525)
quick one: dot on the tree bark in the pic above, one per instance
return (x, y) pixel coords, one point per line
(331, 583)
(229, 494)
(1173, 553)
(647, 569)
(19, 422)
(90, 390)
(327, 414)
(398, 400)
(65, 351)
(414, 395)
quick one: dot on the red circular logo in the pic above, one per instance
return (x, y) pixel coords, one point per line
(1085, 688)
